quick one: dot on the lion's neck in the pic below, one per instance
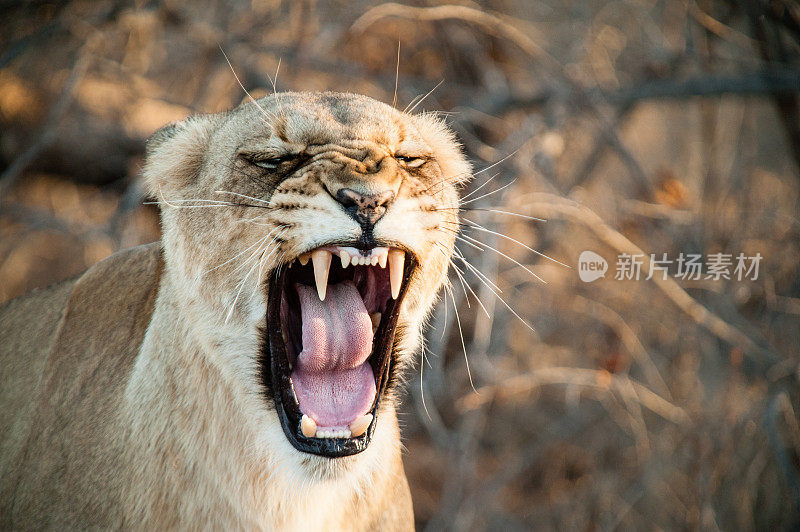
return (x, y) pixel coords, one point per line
(199, 422)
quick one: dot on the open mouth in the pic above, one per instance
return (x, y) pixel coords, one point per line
(331, 318)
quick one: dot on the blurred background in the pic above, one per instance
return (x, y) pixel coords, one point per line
(631, 127)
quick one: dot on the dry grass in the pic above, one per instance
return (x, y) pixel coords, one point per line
(631, 127)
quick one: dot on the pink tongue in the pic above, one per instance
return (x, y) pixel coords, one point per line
(333, 381)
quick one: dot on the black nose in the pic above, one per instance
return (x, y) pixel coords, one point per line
(366, 209)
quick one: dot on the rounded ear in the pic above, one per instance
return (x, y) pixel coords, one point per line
(174, 154)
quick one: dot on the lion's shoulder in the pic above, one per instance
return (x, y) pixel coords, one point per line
(65, 355)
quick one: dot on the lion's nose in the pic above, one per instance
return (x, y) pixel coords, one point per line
(367, 209)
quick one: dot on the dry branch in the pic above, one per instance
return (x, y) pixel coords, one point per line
(551, 206)
(760, 83)
(597, 379)
(50, 127)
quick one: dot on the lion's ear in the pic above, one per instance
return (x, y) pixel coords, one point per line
(175, 153)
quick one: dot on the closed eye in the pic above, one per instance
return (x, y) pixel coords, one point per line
(271, 162)
(410, 161)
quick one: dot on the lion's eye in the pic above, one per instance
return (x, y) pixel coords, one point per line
(271, 162)
(411, 162)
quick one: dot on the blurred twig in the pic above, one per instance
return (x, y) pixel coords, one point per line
(491, 22)
(49, 130)
(598, 379)
(759, 83)
(780, 404)
(504, 26)
(551, 206)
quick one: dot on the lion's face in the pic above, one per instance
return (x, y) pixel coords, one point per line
(322, 224)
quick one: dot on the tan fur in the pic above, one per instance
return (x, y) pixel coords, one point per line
(131, 395)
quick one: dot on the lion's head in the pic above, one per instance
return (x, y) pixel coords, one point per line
(308, 235)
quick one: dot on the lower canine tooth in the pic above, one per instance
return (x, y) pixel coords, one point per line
(308, 426)
(376, 319)
(360, 425)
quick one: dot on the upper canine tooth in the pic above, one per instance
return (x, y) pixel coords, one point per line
(304, 258)
(308, 426)
(396, 260)
(321, 258)
(360, 425)
(345, 258)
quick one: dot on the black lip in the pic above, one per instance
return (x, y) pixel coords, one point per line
(276, 372)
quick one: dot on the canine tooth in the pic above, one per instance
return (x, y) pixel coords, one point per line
(304, 258)
(308, 426)
(345, 256)
(321, 258)
(396, 260)
(359, 426)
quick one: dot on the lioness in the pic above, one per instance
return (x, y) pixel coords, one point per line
(241, 374)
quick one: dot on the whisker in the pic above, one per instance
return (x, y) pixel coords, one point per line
(263, 111)
(421, 388)
(462, 237)
(503, 301)
(461, 279)
(496, 211)
(479, 209)
(241, 252)
(495, 191)
(488, 180)
(475, 270)
(275, 88)
(184, 200)
(241, 196)
(444, 181)
(459, 273)
(501, 161)
(239, 292)
(262, 244)
(479, 227)
(191, 206)
(409, 111)
(461, 335)
(396, 75)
